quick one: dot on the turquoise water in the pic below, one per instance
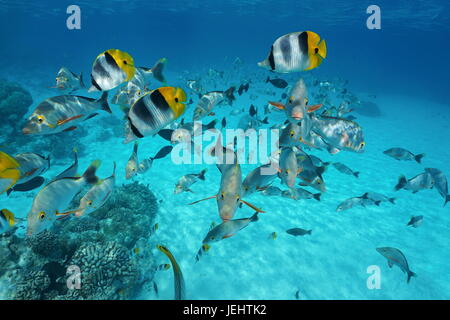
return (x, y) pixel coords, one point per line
(401, 69)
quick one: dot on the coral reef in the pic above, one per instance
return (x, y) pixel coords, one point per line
(14, 102)
(101, 245)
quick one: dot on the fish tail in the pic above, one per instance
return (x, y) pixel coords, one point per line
(447, 199)
(419, 157)
(309, 232)
(317, 196)
(211, 125)
(254, 217)
(410, 275)
(104, 101)
(401, 183)
(266, 120)
(356, 174)
(268, 79)
(201, 175)
(166, 134)
(135, 147)
(163, 152)
(392, 200)
(89, 174)
(158, 69)
(8, 192)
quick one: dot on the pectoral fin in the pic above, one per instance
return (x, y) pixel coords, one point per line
(252, 206)
(314, 108)
(278, 105)
(203, 200)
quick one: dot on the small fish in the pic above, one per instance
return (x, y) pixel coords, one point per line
(271, 191)
(97, 195)
(153, 111)
(295, 52)
(64, 113)
(252, 111)
(344, 169)
(206, 103)
(298, 232)
(258, 179)
(422, 181)
(288, 167)
(154, 229)
(374, 196)
(277, 83)
(300, 193)
(228, 229)
(403, 154)
(156, 71)
(186, 181)
(243, 88)
(224, 122)
(396, 257)
(177, 274)
(273, 235)
(163, 267)
(52, 200)
(350, 203)
(415, 222)
(194, 85)
(135, 167)
(203, 249)
(67, 80)
(440, 183)
(6, 220)
(110, 69)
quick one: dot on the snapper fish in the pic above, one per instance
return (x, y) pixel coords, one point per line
(340, 133)
(110, 69)
(64, 113)
(377, 197)
(271, 191)
(422, 181)
(206, 103)
(52, 200)
(440, 183)
(186, 181)
(298, 232)
(288, 167)
(228, 229)
(300, 193)
(295, 52)
(97, 195)
(396, 257)
(66, 80)
(153, 111)
(415, 222)
(403, 154)
(350, 203)
(344, 169)
(177, 274)
(258, 179)
(135, 167)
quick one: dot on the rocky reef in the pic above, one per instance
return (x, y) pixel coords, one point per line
(14, 103)
(110, 247)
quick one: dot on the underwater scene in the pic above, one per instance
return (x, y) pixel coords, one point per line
(224, 150)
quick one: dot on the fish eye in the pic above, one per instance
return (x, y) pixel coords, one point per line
(125, 61)
(319, 181)
(212, 238)
(176, 99)
(41, 215)
(306, 100)
(40, 119)
(316, 50)
(237, 199)
(292, 133)
(222, 195)
(287, 170)
(89, 203)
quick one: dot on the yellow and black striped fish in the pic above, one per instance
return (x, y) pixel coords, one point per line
(6, 220)
(110, 69)
(154, 111)
(294, 52)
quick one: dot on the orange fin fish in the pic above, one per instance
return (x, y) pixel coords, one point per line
(314, 108)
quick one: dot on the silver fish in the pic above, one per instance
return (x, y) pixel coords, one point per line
(396, 257)
(422, 181)
(415, 222)
(440, 183)
(228, 228)
(186, 181)
(344, 169)
(403, 154)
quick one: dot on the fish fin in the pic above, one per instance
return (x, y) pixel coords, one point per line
(157, 70)
(70, 129)
(317, 196)
(390, 263)
(401, 183)
(377, 203)
(212, 197)
(9, 216)
(419, 157)
(356, 174)
(254, 217)
(392, 200)
(314, 108)
(268, 79)
(61, 122)
(81, 80)
(228, 236)
(278, 105)
(104, 101)
(447, 199)
(265, 120)
(32, 184)
(163, 152)
(91, 116)
(201, 175)
(410, 275)
(252, 206)
(89, 174)
(166, 134)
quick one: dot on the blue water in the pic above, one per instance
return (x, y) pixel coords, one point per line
(404, 64)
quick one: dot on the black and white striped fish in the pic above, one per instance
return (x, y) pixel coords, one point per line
(294, 52)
